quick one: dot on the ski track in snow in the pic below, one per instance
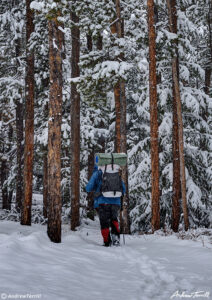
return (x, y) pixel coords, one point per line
(146, 267)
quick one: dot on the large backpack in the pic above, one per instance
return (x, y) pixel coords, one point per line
(111, 182)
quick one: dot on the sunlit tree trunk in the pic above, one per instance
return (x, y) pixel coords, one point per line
(29, 121)
(54, 131)
(172, 20)
(153, 119)
(75, 125)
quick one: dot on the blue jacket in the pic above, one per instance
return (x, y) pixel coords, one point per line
(94, 185)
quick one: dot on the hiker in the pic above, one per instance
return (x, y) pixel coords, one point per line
(108, 207)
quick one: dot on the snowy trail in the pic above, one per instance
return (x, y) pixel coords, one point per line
(147, 267)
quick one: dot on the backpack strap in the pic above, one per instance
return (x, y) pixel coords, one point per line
(112, 160)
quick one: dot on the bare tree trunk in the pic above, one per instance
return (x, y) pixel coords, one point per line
(172, 15)
(5, 199)
(89, 42)
(54, 131)
(29, 122)
(153, 119)
(208, 66)
(90, 197)
(19, 135)
(175, 141)
(99, 42)
(45, 185)
(120, 126)
(176, 170)
(207, 80)
(75, 125)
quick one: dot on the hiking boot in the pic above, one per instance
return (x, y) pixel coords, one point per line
(115, 239)
(108, 243)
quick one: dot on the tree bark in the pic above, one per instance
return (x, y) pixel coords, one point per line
(75, 125)
(207, 80)
(89, 42)
(19, 136)
(120, 126)
(90, 197)
(172, 14)
(29, 121)
(54, 131)
(175, 140)
(208, 65)
(45, 185)
(153, 119)
(99, 42)
(5, 198)
(176, 170)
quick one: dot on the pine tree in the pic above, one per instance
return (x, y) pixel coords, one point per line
(54, 129)
(172, 24)
(75, 124)
(153, 119)
(175, 142)
(29, 121)
(19, 118)
(120, 125)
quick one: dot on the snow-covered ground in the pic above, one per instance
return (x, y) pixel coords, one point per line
(146, 267)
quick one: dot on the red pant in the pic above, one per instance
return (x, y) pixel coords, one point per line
(108, 215)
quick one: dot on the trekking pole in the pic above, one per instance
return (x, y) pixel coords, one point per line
(123, 226)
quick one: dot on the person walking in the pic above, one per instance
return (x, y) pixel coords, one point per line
(108, 207)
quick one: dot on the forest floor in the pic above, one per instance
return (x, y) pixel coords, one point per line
(147, 267)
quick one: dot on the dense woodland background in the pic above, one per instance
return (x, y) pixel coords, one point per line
(105, 46)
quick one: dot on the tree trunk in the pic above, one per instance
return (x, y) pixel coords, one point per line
(175, 141)
(208, 65)
(54, 131)
(29, 122)
(172, 14)
(99, 42)
(120, 126)
(207, 80)
(89, 42)
(176, 170)
(75, 125)
(5, 199)
(153, 119)
(19, 135)
(45, 185)
(90, 197)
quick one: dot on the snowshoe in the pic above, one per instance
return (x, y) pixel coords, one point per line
(115, 239)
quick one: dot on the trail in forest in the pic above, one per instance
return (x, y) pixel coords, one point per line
(80, 268)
